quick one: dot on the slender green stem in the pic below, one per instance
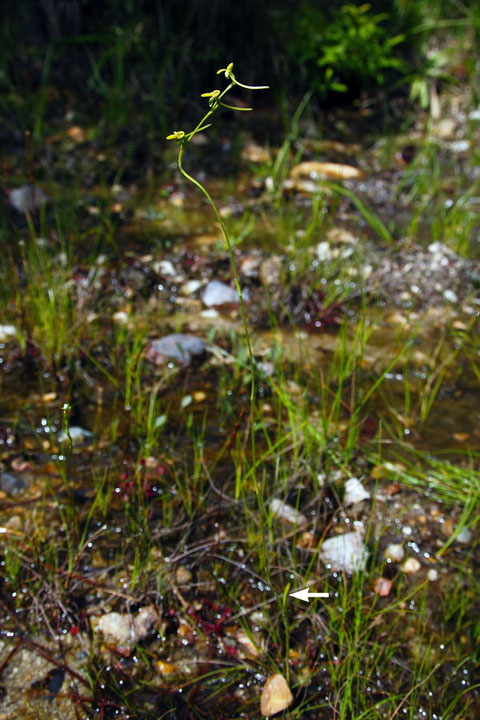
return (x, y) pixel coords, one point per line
(237, 282)
(215, 101)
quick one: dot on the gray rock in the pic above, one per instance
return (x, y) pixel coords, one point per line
(180, 347)
(12, 483)
(27, 199)
(344, 552)
(218, 293)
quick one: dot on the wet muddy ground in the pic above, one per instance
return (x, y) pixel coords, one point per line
(153, 518)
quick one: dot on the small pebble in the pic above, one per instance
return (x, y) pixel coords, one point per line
(180, 347)
(276, 696)
(219, 293)
(27, 198)
(354, 492)
(78, 435)
(165, 268)
(190, 287)
(7, 332)
(382, 586)
(120, 317)
(464, 536)
(410, 566)
(323, 252)
(248, 646)
(286, 512)
(183, 575)
(344, 552)
(395, 552)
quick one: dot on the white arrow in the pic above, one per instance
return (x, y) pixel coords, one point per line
(305, 594)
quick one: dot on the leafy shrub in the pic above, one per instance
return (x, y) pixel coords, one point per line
(357, 49)
(348, 50)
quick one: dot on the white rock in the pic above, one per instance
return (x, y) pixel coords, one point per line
(127, 629)
(120, 317)
(165, 268)
(271, 271)
(269, 184)
(181, 347)
(464, 536)
(78, 435)
(323, 252)
(249, 266)
(395, 552)
(190, 287)
(474, 115)
(249, 646)
(276, 696)
(459, 146)
(7, 332)
(27, 198)
(218, 293)
(286, 512)
(354, 492)
(344, 552)
(450, 296)
(410, 566)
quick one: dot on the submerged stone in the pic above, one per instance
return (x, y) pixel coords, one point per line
(180, 347)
